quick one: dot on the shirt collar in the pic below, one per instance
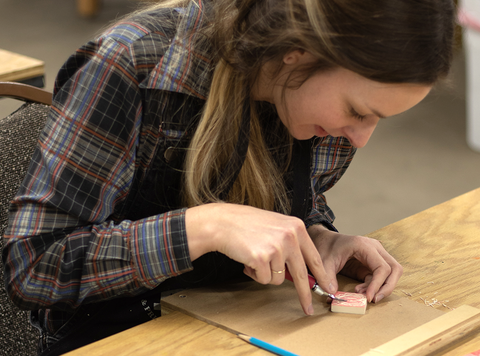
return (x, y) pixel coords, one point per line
(186, 66)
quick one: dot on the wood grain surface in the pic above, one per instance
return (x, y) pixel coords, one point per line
(17, 67)
(432, 337)
(439, 249)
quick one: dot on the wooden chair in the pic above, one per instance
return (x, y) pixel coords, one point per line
(18, 137)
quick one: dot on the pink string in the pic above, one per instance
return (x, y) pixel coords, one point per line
(466, 19)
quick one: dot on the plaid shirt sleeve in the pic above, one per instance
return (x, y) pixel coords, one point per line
(61, 248)
(331, 158)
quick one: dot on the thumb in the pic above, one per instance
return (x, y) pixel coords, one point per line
(329, 282)
(325, 276)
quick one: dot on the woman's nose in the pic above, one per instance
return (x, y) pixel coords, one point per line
(358, 135)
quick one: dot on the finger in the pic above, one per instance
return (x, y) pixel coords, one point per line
(380, 270)
(389, 285)
(278, 274)
(382, 286)
(329, 266)
(362, 288)
(384, 277)
(265, 274)
(277, 268)
(326, 280)
(379, 277)
(261, 265)
(355, 270)
(250, 272)
(298, 271)
(260, 275)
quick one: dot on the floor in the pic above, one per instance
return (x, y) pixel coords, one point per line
(412, 162)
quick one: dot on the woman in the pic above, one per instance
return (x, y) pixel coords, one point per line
(193, 141)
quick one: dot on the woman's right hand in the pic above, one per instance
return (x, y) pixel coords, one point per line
(263, 241)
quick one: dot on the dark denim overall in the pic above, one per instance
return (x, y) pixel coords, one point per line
(155, 193)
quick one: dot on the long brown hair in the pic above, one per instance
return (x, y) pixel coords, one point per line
(390, 41)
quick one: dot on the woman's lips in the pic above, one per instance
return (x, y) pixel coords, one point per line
(320, 132)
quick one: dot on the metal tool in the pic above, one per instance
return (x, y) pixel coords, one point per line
(314, 286)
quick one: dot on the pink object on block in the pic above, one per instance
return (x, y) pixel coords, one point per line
(354, 303)
(475, 353)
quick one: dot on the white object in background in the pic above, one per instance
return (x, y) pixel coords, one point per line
(469, 18)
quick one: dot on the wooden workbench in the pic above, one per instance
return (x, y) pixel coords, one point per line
(19, 68)
(439, 249)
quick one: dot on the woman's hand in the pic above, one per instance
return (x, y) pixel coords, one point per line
(263, 241)
(360, 258)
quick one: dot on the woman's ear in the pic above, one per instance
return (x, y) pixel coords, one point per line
(296, 56)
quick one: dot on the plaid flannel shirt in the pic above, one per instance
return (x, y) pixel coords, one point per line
(62, 247)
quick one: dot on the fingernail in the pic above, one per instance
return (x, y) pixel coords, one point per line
(379, 297)
(331, 288)
(310, 310)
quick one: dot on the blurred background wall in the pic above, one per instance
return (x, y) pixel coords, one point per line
(412, 162)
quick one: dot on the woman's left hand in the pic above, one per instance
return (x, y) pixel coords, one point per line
(360, 258)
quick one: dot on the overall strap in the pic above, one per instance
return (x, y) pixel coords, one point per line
(301, 178)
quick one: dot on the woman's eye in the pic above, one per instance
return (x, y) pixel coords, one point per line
(356, 114)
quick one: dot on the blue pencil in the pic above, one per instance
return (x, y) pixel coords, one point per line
(266, 346)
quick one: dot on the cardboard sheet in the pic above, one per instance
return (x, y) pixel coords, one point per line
(273, 314)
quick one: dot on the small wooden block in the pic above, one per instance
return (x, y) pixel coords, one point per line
(355, 303)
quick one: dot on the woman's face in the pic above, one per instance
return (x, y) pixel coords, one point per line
(336, 102)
